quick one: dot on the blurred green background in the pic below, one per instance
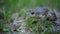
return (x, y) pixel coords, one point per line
(10, 6)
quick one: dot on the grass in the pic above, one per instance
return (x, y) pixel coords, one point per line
(36, 26)
(8, 7)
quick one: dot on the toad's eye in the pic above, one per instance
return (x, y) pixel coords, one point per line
(32, 13)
